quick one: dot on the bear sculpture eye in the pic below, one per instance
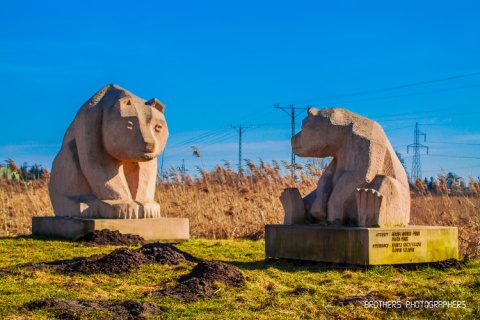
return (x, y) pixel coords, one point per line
(158, 127)
(130, 125)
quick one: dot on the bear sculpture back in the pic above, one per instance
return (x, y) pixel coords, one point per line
(107, 164)
(364, 185)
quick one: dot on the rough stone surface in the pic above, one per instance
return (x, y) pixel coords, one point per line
(161, 229)
(365, 183)
(293, 206)
(106, 167)
(362, 246)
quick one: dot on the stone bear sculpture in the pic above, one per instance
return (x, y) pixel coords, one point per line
(364, 185)
(107, 165)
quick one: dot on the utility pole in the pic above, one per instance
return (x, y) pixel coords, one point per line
(416, 146)
(182, 168)
(292, 116)
(161, 167)
(240, 130)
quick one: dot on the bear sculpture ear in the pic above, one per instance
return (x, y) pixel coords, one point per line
(123, 102)
(312, 112)
(156, 104)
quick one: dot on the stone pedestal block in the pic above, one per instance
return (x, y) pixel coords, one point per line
(361, 245)
(161, 229)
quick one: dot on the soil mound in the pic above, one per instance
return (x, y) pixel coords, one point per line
(123, 260)
(118, 261)
(210, 271)
(200, 282)
(108, 237)
(166, 254)
(80, 309)
(439, 265)
(450, 263)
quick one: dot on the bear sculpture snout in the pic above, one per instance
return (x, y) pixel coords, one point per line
(150, 146)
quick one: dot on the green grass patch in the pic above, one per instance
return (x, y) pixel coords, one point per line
(274, 288)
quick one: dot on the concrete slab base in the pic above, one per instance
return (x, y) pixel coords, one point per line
(361, 246)
(162, 229)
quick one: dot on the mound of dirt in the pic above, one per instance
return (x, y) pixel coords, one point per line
(188, 291)
(439, 265)
(108, 237)
(124, 260)
(210, 271)
(118, 261)
(200, 282)
(80, 309)
(450, 263)
(166, 254)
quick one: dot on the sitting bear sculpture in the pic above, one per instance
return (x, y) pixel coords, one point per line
(364, 185)
(107, 165)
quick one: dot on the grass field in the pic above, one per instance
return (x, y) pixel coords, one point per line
(273, 289)
(227, 215)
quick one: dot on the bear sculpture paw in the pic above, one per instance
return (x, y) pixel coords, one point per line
(112, 209)
(148, 210)
(369, 203)
(293, 206)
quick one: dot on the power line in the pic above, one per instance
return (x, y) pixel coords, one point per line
(461, 143)
(430, 116)
(201, 146)
(292, 115)
(415, 84)
(213, 134)
(448, 169)
(203, 136)
(451, 156)
(406, 94)
(396, 115)
(416, 164)
(240, 130)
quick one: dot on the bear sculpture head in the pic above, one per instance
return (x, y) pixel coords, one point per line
(134, 130)
(323, 132)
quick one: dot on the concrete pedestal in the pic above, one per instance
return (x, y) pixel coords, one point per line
(362, 246)
(162, 229)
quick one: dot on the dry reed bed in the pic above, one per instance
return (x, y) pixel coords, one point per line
(456, 211)
(223, 204)
(19, 202)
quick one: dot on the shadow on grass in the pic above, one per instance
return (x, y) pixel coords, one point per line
(289, 265)
(37, 237)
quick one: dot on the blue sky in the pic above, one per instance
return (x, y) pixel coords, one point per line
(221, 63)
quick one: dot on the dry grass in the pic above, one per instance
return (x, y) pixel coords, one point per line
(457, 211)
(19, 202)
(222, 204)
